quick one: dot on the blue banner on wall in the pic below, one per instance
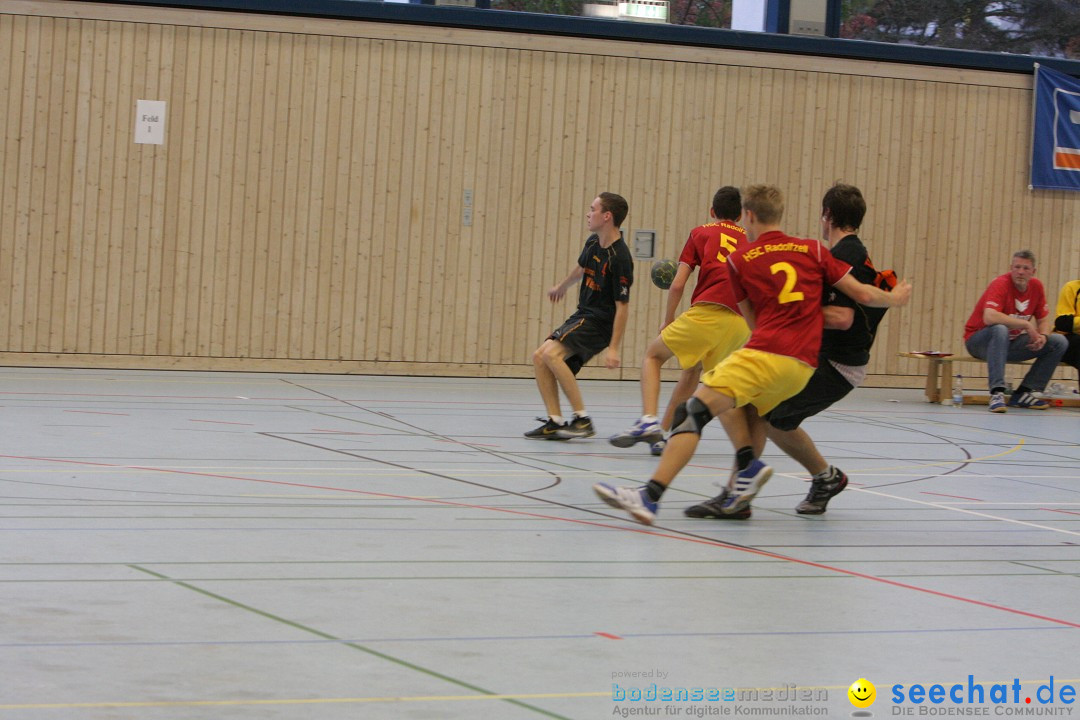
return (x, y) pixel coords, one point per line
(1055, 147)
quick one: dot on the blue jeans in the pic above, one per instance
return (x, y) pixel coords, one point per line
(992, 344)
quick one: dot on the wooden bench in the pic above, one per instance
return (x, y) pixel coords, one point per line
(939, 376)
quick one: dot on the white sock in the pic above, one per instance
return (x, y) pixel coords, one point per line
(557, 419)
(647, 419)
(581, 414)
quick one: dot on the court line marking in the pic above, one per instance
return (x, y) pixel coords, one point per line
(667, 533)
(356, 646)
(955, 508)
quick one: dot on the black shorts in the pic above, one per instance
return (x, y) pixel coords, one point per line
(826, 387)
(1072, 353)
(583, 337)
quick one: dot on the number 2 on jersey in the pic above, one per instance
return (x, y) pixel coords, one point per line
(786, 295)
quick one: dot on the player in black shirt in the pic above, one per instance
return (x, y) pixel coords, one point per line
(606, 271)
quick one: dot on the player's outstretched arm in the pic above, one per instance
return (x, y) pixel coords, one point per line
(872, 296)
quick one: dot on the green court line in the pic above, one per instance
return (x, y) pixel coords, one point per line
(355, 646)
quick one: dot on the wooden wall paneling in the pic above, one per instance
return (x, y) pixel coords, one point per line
(577, 190)
(43, 238)
(229, 175)
(207, 196)
(63, 141)
(316, 243)
(283, 57)
(920, 231)
(110, 282)
(26, 60)
(421, 194)
(551, 253)
(812, 129)
(119, 273)
(556, 218)
(328, 284)
(478, 127)
(12, 42)
(403, 129)
(948, 237)
(382, 83)
(160, 202)
(308, 186)
(375, 173)
(184, 136)
(464, 303)
(246, 153)
(146, 59)
(297, 198)
(288, 268)
(351, 133)
(93, 246)
(523, 319)
(265, 101)
(168, 180)
(342, 133)
(496, 340)
(436, 241)
(306, 206)
(398, 325)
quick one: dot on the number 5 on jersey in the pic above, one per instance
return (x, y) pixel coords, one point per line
(727, 244)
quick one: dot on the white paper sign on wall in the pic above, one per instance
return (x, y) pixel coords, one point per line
(150, 122)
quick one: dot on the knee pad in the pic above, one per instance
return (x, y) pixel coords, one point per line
(691, 417)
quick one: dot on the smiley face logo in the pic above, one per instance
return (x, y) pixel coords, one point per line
(862, 693)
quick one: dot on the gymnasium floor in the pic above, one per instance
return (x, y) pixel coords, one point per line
(207, 545)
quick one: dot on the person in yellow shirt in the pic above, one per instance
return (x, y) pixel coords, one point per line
(1067, 321)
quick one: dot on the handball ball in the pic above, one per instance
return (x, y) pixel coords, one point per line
(663, 273)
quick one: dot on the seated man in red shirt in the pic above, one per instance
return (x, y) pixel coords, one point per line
(1012, 322)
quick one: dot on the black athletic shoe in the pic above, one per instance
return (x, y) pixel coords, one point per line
(711, 509)
(548, 431)
(821, 491)
(579, 427)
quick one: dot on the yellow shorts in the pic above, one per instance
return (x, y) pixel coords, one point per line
(705, 334)
(761, 379)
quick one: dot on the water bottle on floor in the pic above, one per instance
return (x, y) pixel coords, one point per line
(958, 391)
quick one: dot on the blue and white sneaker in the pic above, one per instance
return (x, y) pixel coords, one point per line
(1027, 400)
(997, 403)
(748, 484)
(657, 448)
(633, 500)
(646, 432)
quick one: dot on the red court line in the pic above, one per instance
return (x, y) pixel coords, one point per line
(958, 497)
(589, 523)
(1067, 512)
(609, 636)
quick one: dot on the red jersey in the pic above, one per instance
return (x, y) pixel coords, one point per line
(708, 248)
(1002, 295)
(784, 278)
